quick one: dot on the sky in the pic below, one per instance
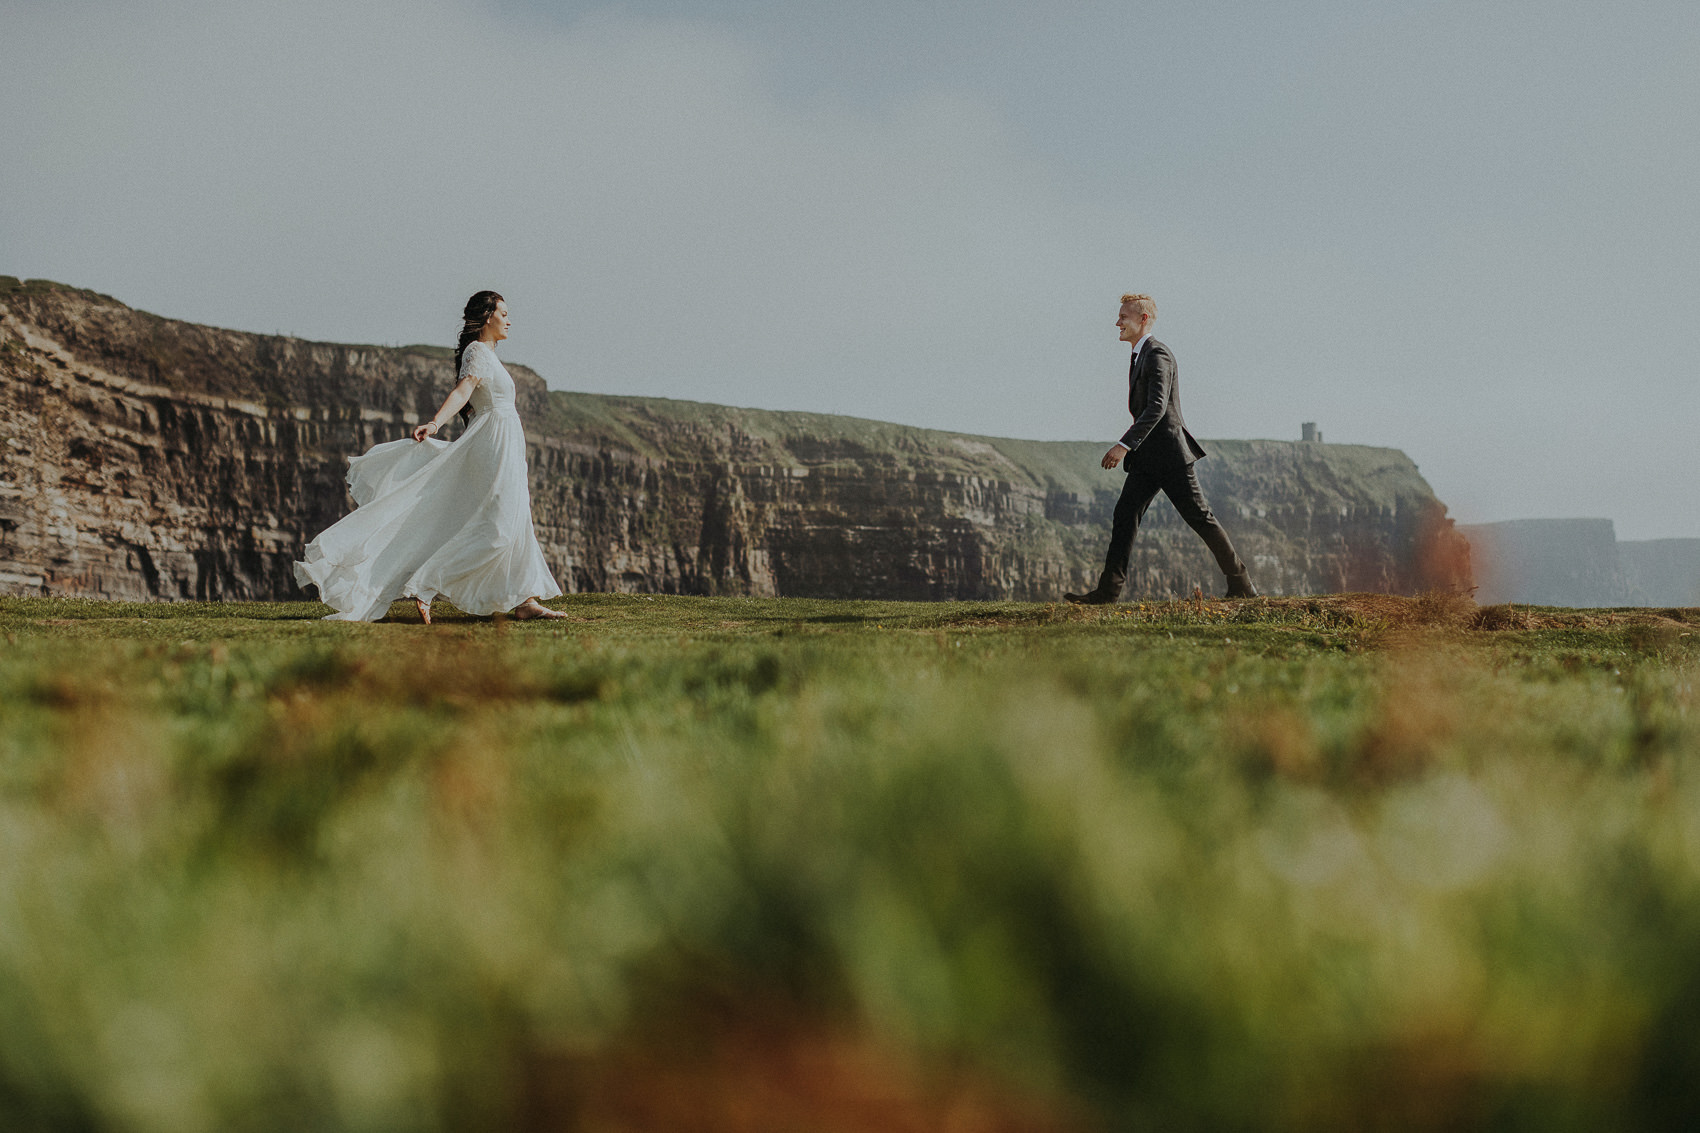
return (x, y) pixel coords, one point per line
(1464, 230)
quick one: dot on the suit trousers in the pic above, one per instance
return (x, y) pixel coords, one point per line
(1181, 485)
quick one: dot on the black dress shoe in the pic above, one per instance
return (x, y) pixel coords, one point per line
(1090, 598)
(1241, 587)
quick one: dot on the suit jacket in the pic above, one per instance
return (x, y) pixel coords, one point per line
(1158, 439)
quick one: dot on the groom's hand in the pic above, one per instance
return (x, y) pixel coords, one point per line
(1114, 456)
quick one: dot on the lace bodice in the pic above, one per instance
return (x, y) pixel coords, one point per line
(495, 388)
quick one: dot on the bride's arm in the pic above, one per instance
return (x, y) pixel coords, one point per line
(451, 404)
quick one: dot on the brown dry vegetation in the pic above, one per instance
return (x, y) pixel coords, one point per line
(1456, 611)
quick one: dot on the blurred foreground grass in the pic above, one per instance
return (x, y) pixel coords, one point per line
(722, 864)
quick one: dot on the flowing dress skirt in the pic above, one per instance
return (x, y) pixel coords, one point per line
(434, 518)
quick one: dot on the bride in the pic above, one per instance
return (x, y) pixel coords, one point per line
(434, 518)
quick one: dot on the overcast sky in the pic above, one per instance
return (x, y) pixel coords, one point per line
(1466, 230)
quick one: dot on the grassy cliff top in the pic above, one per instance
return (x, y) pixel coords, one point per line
(657, 427)
(12, 285)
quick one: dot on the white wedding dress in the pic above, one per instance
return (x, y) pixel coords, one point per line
(438, 517)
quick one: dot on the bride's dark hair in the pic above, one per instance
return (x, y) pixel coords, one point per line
(478, 310)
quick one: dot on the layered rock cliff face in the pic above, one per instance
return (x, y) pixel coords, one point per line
(142, 457)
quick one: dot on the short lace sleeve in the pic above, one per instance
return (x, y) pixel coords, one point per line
(477, 361)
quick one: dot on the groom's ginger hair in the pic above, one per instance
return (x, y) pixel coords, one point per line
(1143, 305)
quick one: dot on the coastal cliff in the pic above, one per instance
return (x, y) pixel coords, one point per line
(144, 457)
(1580, 562)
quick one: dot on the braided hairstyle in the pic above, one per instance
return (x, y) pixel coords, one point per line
(478, 310)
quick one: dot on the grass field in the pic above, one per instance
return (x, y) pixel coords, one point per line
(726, 864)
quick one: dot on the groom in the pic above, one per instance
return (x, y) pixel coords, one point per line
(1159, 453)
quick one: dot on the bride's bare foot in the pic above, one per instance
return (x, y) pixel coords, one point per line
(424, 610)
(532, 608)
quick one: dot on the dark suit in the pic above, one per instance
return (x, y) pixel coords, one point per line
(1160, 456)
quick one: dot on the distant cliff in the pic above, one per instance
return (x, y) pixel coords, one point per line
(1580, 562)
(142, 457)
(1660, 572)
